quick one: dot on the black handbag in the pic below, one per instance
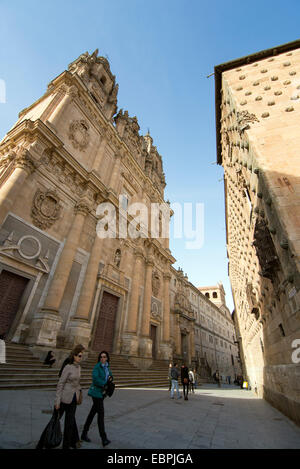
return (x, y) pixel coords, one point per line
(52, 435)
(108, 389)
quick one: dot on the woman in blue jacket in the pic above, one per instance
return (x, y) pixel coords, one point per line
(101, 375)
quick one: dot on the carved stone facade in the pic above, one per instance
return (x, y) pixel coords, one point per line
(202, 329)
(70, 151)
(258, 107)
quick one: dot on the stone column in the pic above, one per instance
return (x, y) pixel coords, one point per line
(135, 289)
(130, 339)
(178, 336)
(147, 298)
(47, 322)
(100, 154)
(115, 176)
(65, 262)
(192, 345)
(89, 284)
(10, 189)
(145, 349)
(166, 321)
(166, 348)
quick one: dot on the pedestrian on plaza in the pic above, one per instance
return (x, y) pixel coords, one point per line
(49, 360)
(169, 376)
(196, 378)
(101, 376)
(2, 349)
(175, 375)
(229, 379)
(218, 378)
(68, 395)
(192, 380)
(241, 381)
(185, 381)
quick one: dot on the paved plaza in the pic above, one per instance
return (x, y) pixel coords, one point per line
(147, 418)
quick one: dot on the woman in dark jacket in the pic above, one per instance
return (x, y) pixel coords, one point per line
(49, 360)
(185, 381)
(101, 375)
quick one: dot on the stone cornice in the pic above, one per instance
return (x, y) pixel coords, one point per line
(30, 130)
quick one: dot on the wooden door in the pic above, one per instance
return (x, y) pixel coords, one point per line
(104, 334)
(12, 287)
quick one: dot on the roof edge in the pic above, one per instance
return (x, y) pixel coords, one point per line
(248, 59)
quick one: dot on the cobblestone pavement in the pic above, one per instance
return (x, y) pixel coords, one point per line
(147, 418)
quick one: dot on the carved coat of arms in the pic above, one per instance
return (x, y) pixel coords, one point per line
(45, 209)
(78, 134)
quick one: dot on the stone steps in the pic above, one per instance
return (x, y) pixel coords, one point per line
(24, 371)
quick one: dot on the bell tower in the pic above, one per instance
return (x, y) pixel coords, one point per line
(101, 83)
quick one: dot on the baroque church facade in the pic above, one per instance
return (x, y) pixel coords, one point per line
(60, 283)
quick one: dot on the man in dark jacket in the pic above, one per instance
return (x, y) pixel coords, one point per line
(174, 377)
(185, 381)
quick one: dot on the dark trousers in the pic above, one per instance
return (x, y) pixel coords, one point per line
(97, 408)
(71, 436)
(185, 389)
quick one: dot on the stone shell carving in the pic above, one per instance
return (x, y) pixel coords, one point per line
(244, 118)
(78, 134)
(46, 209)
(155, 312)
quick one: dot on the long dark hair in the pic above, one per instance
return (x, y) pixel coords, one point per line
(99, 356)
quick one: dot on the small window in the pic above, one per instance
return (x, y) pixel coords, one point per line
(207, 295)
(103, 80)
(94, 98)
(215, 295)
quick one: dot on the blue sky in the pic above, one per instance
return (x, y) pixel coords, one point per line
(161, 52)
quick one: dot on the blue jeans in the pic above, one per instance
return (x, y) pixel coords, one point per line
(175, 385)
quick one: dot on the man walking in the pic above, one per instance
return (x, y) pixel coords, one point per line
(174, 377)
(169, 376)
(218, 378)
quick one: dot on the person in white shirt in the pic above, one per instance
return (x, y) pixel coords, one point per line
(2, 350)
